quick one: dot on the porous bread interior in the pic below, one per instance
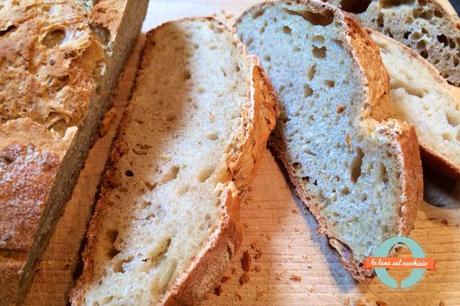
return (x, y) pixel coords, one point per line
(423, 25)
(421, 98)
(347, 170)
(183, 120)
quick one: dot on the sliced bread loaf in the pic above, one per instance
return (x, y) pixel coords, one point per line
(59, 61)
(430, 27)
(166, 223)
(358, 173)
(421, 97)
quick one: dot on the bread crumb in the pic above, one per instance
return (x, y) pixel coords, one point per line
(381, 303)
(258, 254)
(244, 278)
(340, 109)
(445, 222)
(441, 303)
(218, 290)
(224, 279)
(257, 268)
(295, 278)
(295, 211)
(278, 276)
(246, 261)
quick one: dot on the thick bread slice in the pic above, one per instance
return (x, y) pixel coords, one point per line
(166, 224)
(358, 173)
(58, 63)
(422, 98)
(430, 27)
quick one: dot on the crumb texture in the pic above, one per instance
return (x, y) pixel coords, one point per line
(343, 163)
(423, 99)
(164, 199)
(423, 25)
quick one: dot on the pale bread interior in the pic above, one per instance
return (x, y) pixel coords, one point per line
(338, 156)
(423, 99)
(184, 119)
(426, 26)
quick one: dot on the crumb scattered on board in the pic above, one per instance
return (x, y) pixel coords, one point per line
(295, 278)
(246, 261)
(244, 278)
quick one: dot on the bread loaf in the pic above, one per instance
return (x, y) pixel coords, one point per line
(166, 223)
(59, 61)
(357, 171)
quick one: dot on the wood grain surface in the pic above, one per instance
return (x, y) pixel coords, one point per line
(289, 263)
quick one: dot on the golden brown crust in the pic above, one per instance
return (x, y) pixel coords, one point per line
(376, 107)
(208, 266)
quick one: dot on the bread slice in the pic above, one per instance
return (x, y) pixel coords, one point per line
(166, 224)
(422, 98)
(358, 172)
(59, 61)
(430, 27)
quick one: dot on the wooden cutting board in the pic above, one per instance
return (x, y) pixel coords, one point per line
(290, 263)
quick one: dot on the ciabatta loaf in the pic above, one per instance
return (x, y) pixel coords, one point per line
(166, 224)
(358, 172)
(59, 61)
(430, 27)
(421, 97)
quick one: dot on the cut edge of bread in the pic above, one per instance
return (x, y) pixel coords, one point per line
(207, 267)
(403, 136)
(430, 155)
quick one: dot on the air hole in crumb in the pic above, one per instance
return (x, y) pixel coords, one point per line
(391, 3)
(305, 179)
(157, 254)
(446, 136)
(183, 189)
(9, 29)
(453, 118)
(355, 6)
(204, 174)
(311, 72)
(318, 39)
(213, 136)
(296, 166)
(129, 173)
(105, 300)
(356, 165)
(383, 174)
(319, 52)
(424, 54)
(267, 58)
(322, 19)
(53, 38)
(380, 20)
(364, 197)
(170, 175)
(330, 83)
(307, 91)
(296, 49)
(406, 35)
(345, 191)
(443, 39)
(287, 30)
(118, 267)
